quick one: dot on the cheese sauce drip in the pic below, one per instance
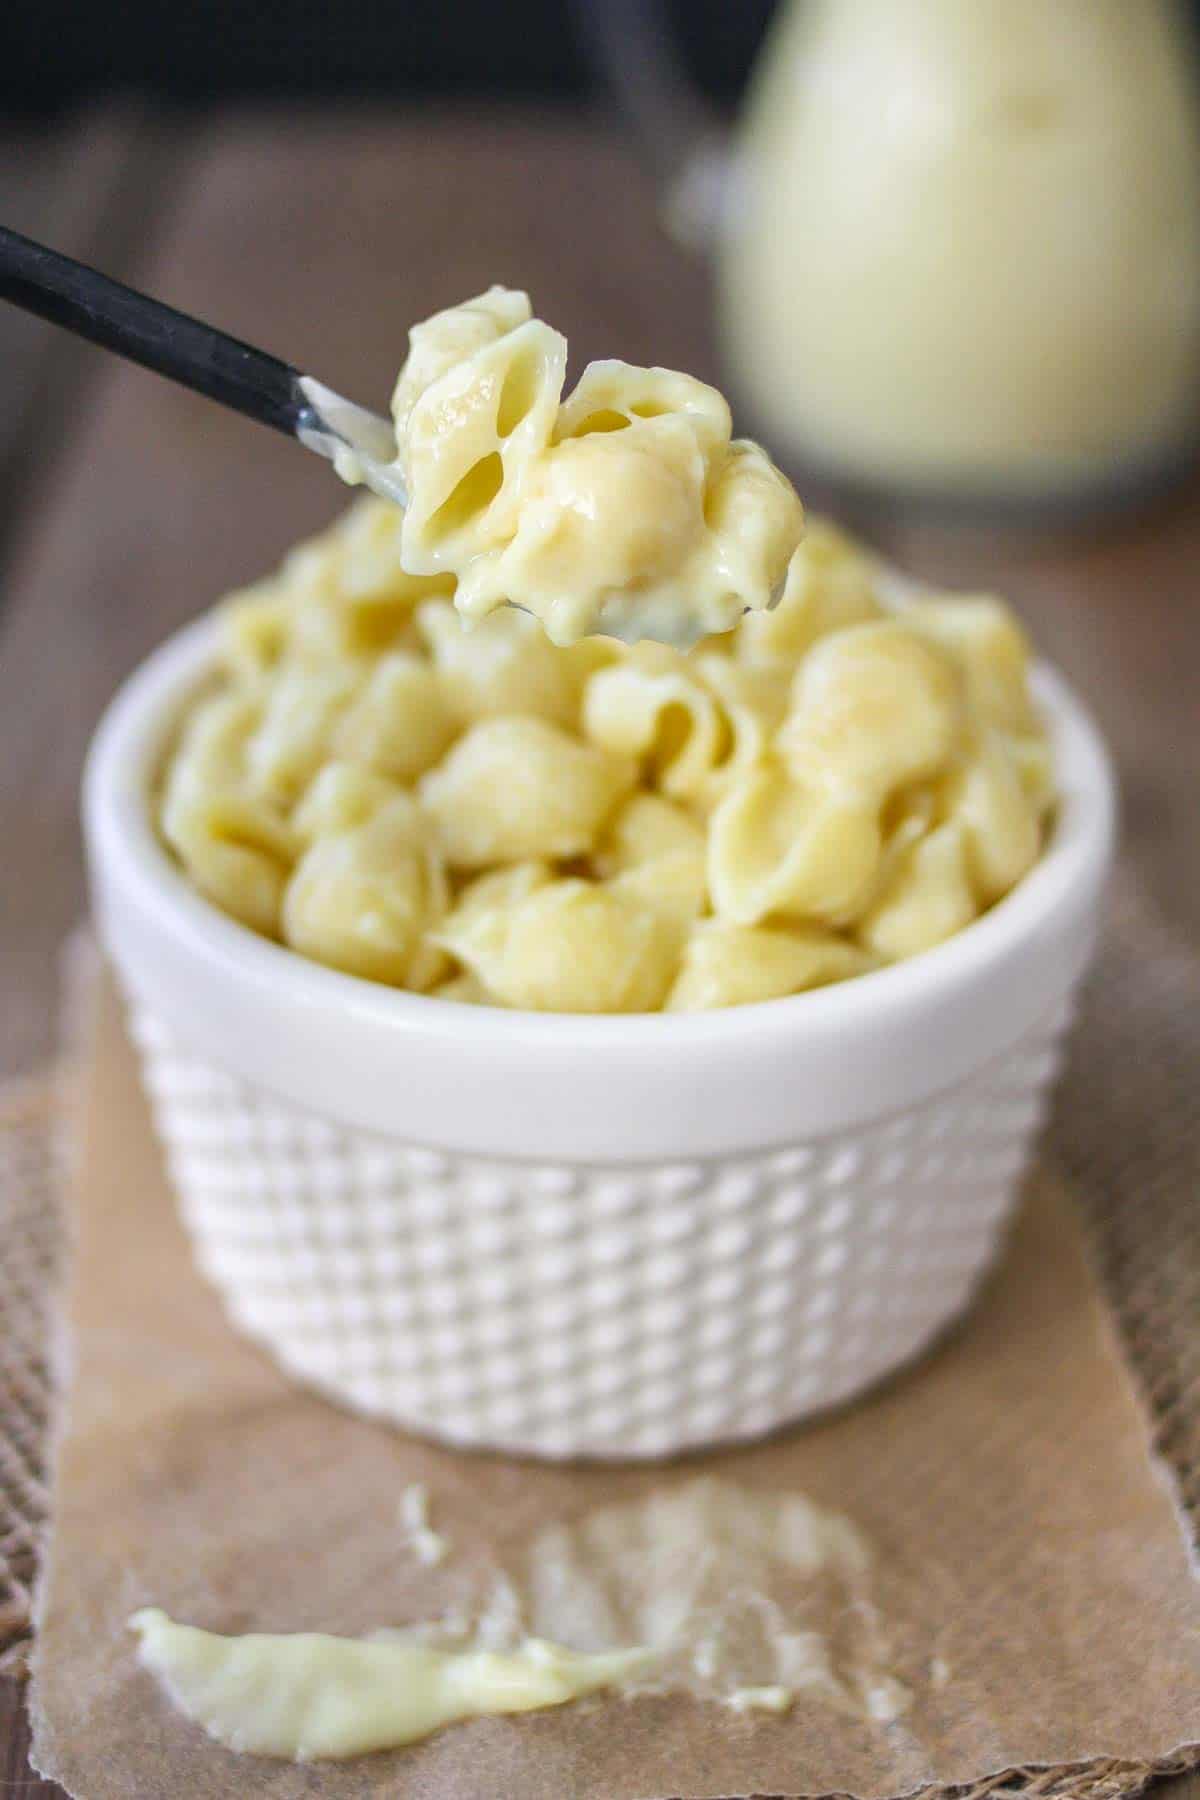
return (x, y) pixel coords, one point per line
(308, 1695)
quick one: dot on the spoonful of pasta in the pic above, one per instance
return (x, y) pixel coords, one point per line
(626, 508)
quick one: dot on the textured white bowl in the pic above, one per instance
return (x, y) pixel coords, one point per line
(582, 1236)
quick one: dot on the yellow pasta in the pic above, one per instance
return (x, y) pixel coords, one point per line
(654, 706)
(506, 664)
(696, 722)
(513, 788)
(675, 885)
(469, 442)
(1033, 760)
(342, 796)
(566, 945)
(465, 990)
(612, 396)
(784, 846)
(643, 830)
(628, 509)
(475, 930)
(830, 584)
(656, 852)
(734, 965)
(297, 730)
(364, 900)
(401, 722)
(237, 854)
(992, 650)
(927, 898)
(236, 847)
(492, 819)
(1000, 824)
(449, 338)
(875, 708)
(339, 598)
(754, 703)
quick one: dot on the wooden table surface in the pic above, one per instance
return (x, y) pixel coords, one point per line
(127, 505)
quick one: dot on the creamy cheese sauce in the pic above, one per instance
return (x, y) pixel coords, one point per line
(308, 1695)
(626, 509)
(755, 1601)
(849, 779)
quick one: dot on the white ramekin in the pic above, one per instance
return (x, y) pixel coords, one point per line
(582, 1236)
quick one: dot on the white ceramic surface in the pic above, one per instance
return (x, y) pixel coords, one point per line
(577, 1235)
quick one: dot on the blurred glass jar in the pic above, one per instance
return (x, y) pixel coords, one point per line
(959, 258)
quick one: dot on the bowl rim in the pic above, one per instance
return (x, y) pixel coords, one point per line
(132, 736)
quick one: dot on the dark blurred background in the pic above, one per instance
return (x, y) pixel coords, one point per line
(58, 53)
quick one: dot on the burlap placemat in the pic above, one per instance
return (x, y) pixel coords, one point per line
(31, 1162)
(1127, 1135)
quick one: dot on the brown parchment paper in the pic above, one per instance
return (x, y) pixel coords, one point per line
(1027, 1538)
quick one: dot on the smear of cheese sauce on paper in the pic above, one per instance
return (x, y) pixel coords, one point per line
(754, 1601)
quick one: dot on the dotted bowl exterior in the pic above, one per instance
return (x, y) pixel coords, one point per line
(589, 1310)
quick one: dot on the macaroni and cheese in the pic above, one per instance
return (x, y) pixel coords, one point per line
(483, 815)
(626, 509)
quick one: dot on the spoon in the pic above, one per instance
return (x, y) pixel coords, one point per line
(360, 444)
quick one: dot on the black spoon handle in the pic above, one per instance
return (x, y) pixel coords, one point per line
(70, 294)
